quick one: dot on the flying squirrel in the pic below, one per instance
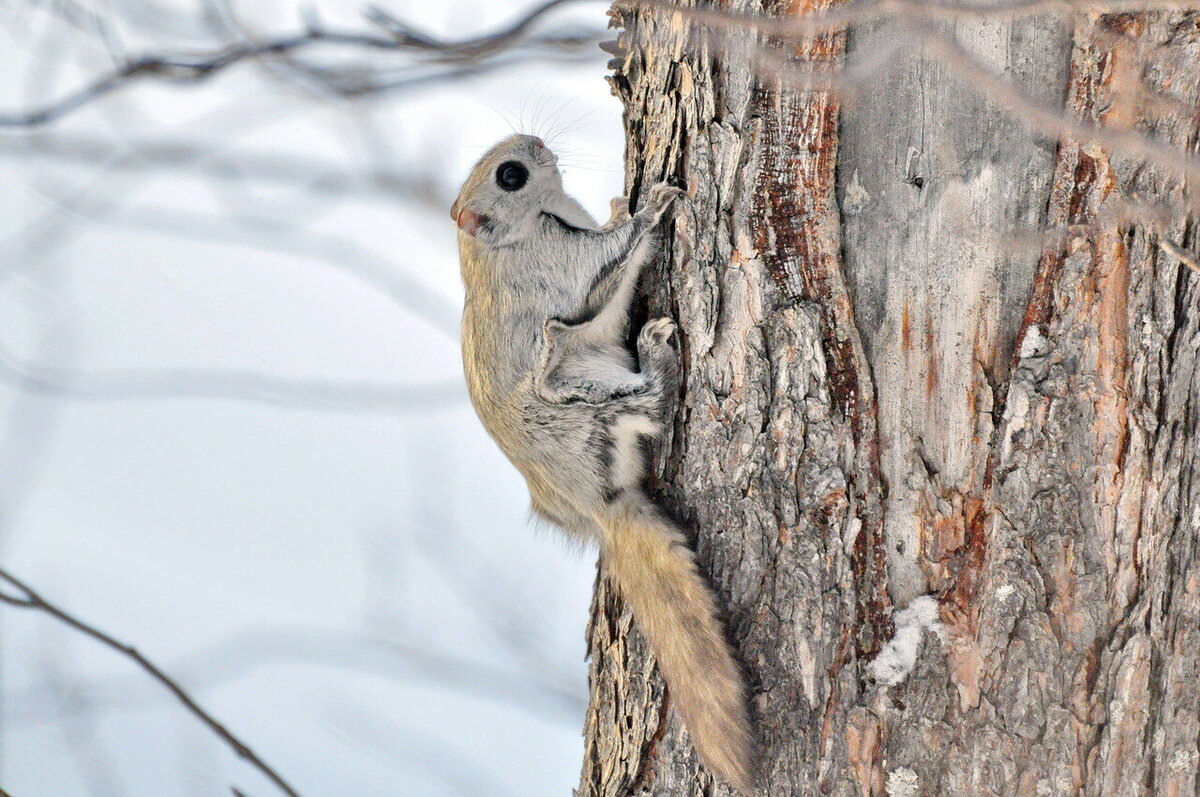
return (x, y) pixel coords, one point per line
(544, 326)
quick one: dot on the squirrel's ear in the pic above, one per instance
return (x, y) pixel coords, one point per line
(454, 211)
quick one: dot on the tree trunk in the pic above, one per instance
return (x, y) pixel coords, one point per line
(897, 384)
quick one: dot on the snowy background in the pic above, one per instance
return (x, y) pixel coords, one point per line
(233, 430)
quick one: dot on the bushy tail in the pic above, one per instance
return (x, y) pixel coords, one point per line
(648, 558)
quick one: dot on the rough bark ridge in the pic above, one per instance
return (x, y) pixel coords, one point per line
(1032, 456)
(775, 462)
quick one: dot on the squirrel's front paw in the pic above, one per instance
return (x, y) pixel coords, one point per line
(661, 197)
(657, 332)
(654, 346)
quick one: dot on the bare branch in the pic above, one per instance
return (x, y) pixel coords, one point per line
(412, 183)
(1179, 253)
(474, 47)
(227, 385)
(1049, 121)
(30, 599)
(461, 58)
(385, 654)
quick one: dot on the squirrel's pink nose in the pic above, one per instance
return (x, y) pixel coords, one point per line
(539, 142)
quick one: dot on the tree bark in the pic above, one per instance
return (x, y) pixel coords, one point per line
(926, 352)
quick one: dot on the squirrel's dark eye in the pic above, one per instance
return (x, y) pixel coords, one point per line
(511, 175)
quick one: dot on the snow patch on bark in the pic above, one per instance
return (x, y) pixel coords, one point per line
(902, 781)
(1183, 760)
(899, 656)
(1033, 342)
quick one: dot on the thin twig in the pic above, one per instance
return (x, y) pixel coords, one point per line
(1179, 253)
(228, 385)
(467, 54)
(391, 651)
(30, 599)
(1047, 120)
(407, 183)
(475, 47)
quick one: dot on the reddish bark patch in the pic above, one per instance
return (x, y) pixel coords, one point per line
(1082, 180)
(794, 225)
(931, 365)
(865, 742)
(967, 562)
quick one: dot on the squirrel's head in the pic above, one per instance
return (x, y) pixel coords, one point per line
(509, 186)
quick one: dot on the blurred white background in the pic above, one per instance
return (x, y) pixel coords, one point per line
(233, 430)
